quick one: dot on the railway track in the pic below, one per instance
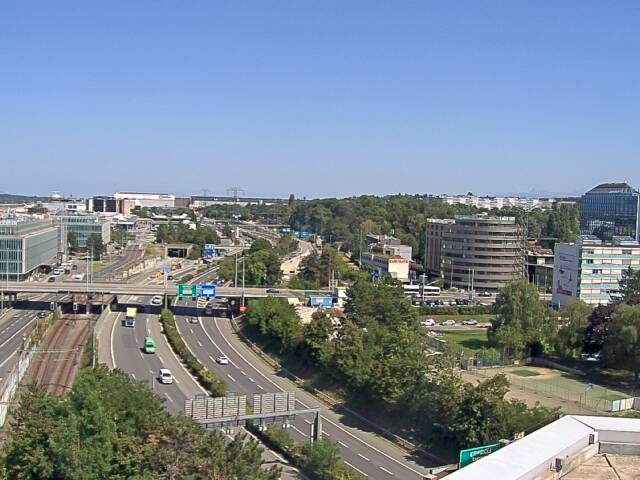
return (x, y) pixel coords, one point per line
(58, 358)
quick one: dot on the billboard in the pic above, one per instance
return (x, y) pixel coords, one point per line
(566, 273)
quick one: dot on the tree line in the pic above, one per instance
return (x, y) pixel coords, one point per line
(109, 426)
(380, 357)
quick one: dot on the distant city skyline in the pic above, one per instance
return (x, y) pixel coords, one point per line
(319, 99)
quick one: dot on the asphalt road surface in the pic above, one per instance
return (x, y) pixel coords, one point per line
(361, 449)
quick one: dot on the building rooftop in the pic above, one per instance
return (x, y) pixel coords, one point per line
(613, 187)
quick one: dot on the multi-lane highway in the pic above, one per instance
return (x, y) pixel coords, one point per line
(14, 324)
(246, 373)
(121, 347)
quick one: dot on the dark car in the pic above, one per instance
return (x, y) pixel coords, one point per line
(273, 290)
(51, 279)
(42, 314)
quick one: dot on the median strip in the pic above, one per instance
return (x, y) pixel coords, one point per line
(205, 377)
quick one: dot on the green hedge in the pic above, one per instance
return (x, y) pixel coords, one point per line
(205, 377)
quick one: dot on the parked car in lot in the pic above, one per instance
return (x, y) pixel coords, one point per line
(51, 279)
(164, 376)
(448, 323)
(429, 322)
(222, 360)
(470, 322)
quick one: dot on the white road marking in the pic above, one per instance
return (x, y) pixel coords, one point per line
(386, 471)
(307, 421)
(252, 380)
(355, 468)
(199, 343)
(363, 457)
(260, 387)
(343, 444)
(232, 379)
(243, 372)
(170, 399)
(134, 376)
(299, 431)
(398, 462)
(113, 328)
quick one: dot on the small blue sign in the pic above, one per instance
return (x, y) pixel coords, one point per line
(209, 250)
(304, 234)
(285, 230)
(207, 290)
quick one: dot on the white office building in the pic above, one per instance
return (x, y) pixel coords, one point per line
(590, 269)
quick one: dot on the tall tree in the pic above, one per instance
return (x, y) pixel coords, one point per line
(522, 323)
(574, 321)
(622, 343)
(630, 284)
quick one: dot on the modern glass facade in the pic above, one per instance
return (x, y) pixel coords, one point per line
(25, 245)
(610, 209)
(83, 226)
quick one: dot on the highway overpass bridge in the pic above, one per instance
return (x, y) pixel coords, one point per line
(119, 288)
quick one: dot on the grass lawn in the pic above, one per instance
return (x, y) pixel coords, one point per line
(470, 340)
(525, 373)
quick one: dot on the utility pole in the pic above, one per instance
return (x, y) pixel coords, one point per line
(242, 303)
(235, 282)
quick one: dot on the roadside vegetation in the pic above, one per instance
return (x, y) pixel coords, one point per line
(109, 426)
(378, 354)
(205, 377)
(183, 234)
(261, 262)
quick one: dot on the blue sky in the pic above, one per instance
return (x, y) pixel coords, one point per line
(330, 98)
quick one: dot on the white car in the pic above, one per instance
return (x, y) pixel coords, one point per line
(164, 376)
(222, 360)
(429, 322)
(470, 322)
(156, 300)
(448, 323)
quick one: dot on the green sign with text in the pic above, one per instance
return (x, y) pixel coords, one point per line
(187, 290)
(471, 455)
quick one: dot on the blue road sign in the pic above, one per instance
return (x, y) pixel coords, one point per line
(209, 250)
(285, 230)
(207, 290)
(167, 269)
(304, 234)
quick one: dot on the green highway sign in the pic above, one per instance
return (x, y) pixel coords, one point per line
(470, 455)
(185, 290)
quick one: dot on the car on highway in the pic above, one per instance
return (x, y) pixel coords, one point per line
(164, 376)
(273, 290)
(429, 322)
(156, 300)
(42, 314)
(222, 360)
(448, 323)
(471, 321)
(51, 279)
(193, 319)
(149, 345)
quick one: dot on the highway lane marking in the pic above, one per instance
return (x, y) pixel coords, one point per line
(113, 327)
(199, 343)
(343, 444)
(380, 452)
(252, 380)
(260, 387)
(243, 372)
(232, 379)
(307, 421)
(170, 399)
(298, 430)
(355, 468)
(9, 339)
(386, 471)
(363, 457)
(196, 383)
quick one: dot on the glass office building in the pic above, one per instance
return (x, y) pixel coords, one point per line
(83, 226)
(610, 209)
(26, 244)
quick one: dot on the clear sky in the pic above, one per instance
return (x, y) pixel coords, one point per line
(318, 98)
